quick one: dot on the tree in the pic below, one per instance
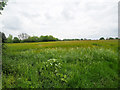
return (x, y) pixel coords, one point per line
(111, 38)
(81, 38)
(31, 39)
(49, 38)
(9, 39)
(44, 38)
(116, 38)
(35, 39)
(16, 40)
(2, 5)
(3, 37)
(2, 41)
(23, 36)
(102, 38)
(85, 39)
(26, 38)
(107, 38)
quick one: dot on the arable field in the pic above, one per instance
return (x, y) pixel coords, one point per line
(62, 64)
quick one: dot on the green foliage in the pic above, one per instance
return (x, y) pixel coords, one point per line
(40, 39)
(70, 64)
(111, 38)
(9, 39)
(48, 38)
(116, 38)
(2, 5)
(102, 38)
(16, 40)
(71, 39)
(81, 38)
(26, 38)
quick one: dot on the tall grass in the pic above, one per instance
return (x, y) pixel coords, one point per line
(86, 64)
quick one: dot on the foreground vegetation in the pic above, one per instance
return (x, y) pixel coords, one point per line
(65, 64)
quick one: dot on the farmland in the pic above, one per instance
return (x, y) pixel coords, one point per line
(61, 64)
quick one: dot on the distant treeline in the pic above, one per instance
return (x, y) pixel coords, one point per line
(102, 38)
(22, 38)
(26, 38)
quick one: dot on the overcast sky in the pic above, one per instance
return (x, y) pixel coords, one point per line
(61, 18)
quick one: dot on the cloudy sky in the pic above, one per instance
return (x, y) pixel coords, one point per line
(61, 18)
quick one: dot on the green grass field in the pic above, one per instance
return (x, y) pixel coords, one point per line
(63, 64)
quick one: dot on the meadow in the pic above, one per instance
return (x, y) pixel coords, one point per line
(61, 64)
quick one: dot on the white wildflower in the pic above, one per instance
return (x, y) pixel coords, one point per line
(50, 63)
(56, 65)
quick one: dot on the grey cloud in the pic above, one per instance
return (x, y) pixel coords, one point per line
(68, 12)
(47, 15)
(67, 15)
(77, 3)
(12, 23)
(63, 18)
(30, 14)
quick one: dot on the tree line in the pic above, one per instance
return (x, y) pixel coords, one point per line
(110, 38)
(102, 38)
(26, 38)
(23, 37)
